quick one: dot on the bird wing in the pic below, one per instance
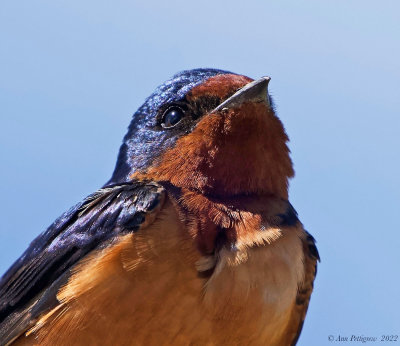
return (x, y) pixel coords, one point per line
(29, 287)
(311, 257)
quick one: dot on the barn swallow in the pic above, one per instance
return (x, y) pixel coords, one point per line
(191, 242)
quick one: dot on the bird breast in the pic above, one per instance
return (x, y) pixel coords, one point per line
(145, 289)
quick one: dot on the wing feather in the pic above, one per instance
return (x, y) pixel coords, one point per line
(311, 257)
(29, 287)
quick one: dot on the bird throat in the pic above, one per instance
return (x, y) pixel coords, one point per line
(233, 152)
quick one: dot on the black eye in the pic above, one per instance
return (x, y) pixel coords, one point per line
(171, 117)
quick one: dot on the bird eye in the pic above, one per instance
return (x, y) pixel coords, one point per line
(172, 117)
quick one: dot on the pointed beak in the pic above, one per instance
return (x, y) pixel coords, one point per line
(256, 91)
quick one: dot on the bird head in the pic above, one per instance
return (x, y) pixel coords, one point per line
(209, 131)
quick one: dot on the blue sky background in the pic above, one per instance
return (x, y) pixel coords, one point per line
(73, 72)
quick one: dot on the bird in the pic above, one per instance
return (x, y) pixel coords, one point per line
(192, 241)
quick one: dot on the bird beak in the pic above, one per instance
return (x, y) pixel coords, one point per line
(256, 91)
